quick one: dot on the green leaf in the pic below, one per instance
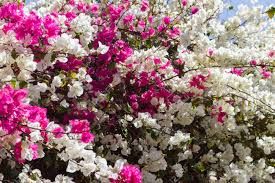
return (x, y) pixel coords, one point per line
(112, 65)
(13, 83)
(72, 75)
(23, 84)
(127, 108)
(40, 101)
(62, 109)
(14, 54)
(271, 163)
(231, 7)
(200, 167)
(271, 12)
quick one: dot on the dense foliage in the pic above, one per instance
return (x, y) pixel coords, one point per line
(136, 91)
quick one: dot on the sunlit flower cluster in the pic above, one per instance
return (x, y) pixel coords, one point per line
(136, 91)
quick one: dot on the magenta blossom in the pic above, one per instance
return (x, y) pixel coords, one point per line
(194, 10)
(237, 71)
(87, 137)
(166, 20)
(129, 174)
(198, 81)
(184, 2)
(82, 127)
(266, 74)
(219, 114)
(144, 5)
(16, 119)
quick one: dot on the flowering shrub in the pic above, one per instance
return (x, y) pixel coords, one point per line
(136, 91)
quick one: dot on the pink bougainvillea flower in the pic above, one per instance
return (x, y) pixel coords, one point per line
(144, 5)
(237, 71)
(194, 10)
(58, 132)
(266, 74)
(166, 20)
(129, 174)
(184, 2)
(87, 137)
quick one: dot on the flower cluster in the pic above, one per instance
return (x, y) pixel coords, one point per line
(24, 127)
(136, 91)
(17, 124)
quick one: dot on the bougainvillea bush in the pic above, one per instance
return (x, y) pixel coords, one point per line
(136, 91)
